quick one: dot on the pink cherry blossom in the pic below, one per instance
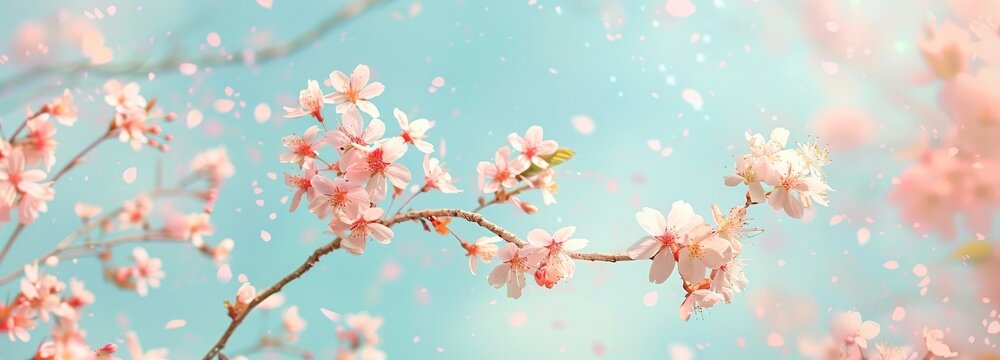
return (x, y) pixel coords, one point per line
(756, 166)
(135, 349)
(414, 132)
(502, 172)
(361, 225)
(349, 133)
(301, 149)
(20, 320)
(849, 328)
(21, 187)
(213, 163)
(135, 211)
(302, 184)
(378, 165)
(221, 252)
(123, 96)
(794, 190)
(30, 206)
(40, 144)
(335, 196)
(933, 341)
(666, 235)
(532, 147)
(62, 109)
(131, 123)
(702, 250)
(697, 300)
(545, 182)
(292, 323)
(147, 271)
(730, 280)
(310, 103)
(554, 250)
(42, 292)
(514, 263)
(760, 147)
(732, 226)
(747, 173)
(193, 227)
(354, 92)
(437, 177)
(246, 293)
(106, 352)
(483, 249)
(79, 295)
(365, 324)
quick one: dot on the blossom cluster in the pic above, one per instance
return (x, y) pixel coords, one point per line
(957, 174)
(346, 192)
(43, 298)
(26, 161)
(850, 338)
(795, 175)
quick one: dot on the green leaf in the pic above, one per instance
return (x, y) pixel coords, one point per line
(560, 156)
(974, 252)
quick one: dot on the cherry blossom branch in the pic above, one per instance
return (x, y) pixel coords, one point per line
(79, 156)
(10, 241)
(90, 225)
(76, 159)
(172, 62)
(500, 197)
(25, 123)
(274, 289)
(311, 261)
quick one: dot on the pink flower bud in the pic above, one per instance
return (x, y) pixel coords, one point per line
(107, 349)
(171, 116)
(246, 293)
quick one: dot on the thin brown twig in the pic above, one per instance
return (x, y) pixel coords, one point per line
(172, 62)
(25, 123)
(10, 241)
(76, 159)
(79, 156)
(298, 272)
(499, 199)
(470, 216)
(91, 225)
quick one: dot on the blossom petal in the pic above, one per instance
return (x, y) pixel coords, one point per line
(663, 266)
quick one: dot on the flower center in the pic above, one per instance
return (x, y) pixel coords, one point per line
(519, 263)
(302, 148)
(501, 175)
(695, 251)
(301, 182)
(668, 238)
(352, 95)
(375, 163)
(338, 198)
(360, 226)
